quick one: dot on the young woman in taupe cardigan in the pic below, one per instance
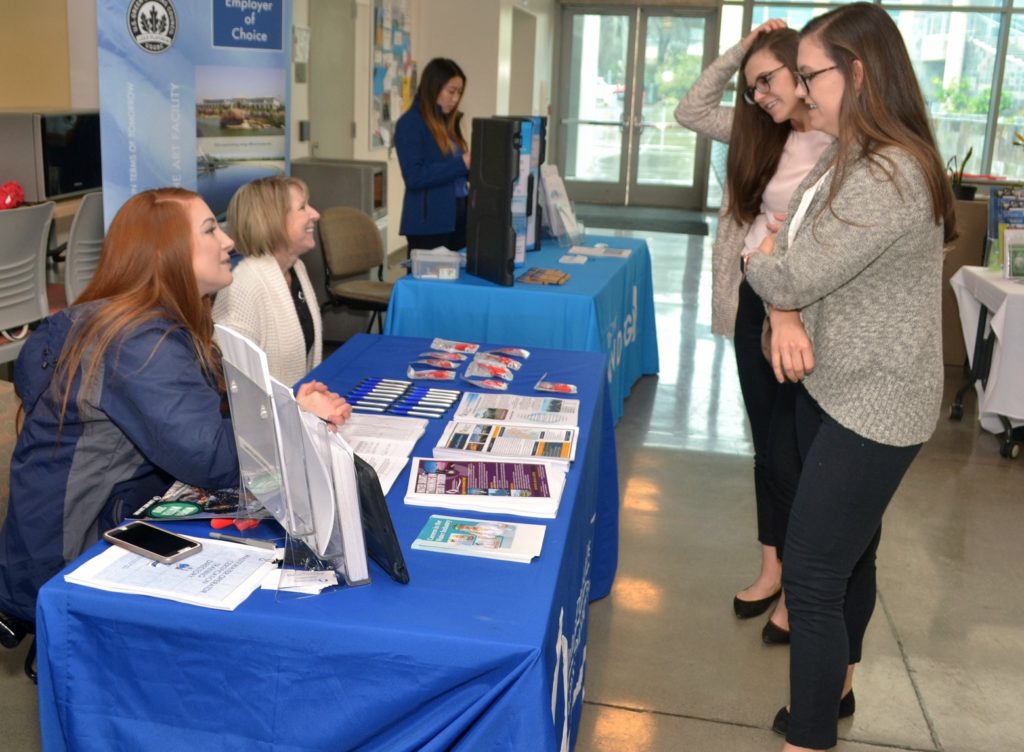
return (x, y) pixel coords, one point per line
(770, 150)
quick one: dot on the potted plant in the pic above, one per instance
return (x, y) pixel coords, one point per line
(956, 175)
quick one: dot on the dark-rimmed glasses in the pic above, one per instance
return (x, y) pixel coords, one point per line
(762, 83)
(805, 79)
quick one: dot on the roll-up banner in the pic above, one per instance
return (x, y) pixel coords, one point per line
(193, 93)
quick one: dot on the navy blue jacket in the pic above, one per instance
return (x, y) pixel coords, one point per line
(150, 418)
(430, 176)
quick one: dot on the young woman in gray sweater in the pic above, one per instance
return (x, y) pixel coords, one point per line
(771, 149)
(860, 255)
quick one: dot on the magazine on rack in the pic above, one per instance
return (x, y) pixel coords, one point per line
(507, 441)
(525, 489)
(490, 539)
(513, 408)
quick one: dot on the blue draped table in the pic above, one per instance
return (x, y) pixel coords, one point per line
(472, 654)
(606, 306)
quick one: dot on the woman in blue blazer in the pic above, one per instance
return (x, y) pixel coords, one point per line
(434, 160)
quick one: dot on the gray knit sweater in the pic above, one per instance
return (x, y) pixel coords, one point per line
(869, 292)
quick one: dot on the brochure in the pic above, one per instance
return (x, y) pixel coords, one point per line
(489, 539)
(511, 408)
(507, 441)
(525, 489)
(222, 575)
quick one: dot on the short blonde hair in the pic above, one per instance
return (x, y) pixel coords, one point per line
(258, 213)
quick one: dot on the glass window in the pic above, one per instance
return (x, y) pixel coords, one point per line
(954, 58)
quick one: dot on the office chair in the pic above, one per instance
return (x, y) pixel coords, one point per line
(24, 233)
(85, 241)
(352, 246)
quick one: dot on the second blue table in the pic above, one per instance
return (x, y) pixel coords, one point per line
(606, 306)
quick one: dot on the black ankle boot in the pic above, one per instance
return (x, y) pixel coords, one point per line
(13, 630)
(847, 707)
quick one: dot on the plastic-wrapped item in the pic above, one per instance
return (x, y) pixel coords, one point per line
(449, 345)
(513, 352)
(554, 386)
(430, 374)
(483, 369)
(437, 363)
(502, 360)
(443, 355)
(493, 384)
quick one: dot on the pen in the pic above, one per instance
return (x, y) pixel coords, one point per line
(257, 542)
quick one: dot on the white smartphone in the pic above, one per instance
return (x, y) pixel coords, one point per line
(153, 542)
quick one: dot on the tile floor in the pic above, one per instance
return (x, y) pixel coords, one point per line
(670, 669)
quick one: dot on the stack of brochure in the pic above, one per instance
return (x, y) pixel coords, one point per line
(510, 427)
(490, 539)
(526, 489)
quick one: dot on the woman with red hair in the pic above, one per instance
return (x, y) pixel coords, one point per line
(123, 394)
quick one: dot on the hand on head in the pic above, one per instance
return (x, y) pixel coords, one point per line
(772, 24)
(315, 397)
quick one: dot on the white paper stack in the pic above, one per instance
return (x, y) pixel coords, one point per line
(222, 575)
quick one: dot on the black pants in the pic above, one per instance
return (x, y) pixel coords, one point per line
(454, 240)
(834, 529)
(769, 406)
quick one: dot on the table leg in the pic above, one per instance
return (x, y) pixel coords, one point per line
(980, 363)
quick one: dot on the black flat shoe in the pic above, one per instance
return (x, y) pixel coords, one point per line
(773, 634)
(847, 707)
(12, 631)
(750, 609)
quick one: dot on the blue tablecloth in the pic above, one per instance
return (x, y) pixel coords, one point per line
(606, 306)
(471, 655)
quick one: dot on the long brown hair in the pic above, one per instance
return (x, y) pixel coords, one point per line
(145, 273)
(887, 109)
(756, 141)
(444, 128)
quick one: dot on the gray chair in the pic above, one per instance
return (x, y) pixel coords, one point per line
(85, 241)
(352, 248)
(24, 233)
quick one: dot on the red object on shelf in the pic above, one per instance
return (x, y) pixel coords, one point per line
(11, 195)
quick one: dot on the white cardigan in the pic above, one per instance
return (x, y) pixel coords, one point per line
(258, 304)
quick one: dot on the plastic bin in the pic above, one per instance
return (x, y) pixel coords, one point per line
(439, 263)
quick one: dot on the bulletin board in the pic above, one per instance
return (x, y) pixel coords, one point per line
(393, 70)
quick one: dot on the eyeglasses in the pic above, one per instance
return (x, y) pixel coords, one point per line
(762, 83)
(805, 79)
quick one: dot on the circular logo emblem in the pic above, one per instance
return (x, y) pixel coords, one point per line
(153, 24)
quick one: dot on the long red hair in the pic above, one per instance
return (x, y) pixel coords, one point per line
(145, 273)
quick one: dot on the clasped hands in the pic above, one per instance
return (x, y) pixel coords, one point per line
(792, 354)
(315, 397)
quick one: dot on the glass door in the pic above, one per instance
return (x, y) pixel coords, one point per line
(623, 71)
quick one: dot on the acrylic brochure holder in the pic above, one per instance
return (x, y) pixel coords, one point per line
(303, 475)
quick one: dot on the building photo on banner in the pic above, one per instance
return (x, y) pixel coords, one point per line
(193, 94)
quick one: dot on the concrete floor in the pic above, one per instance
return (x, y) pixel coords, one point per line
(670, 668)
